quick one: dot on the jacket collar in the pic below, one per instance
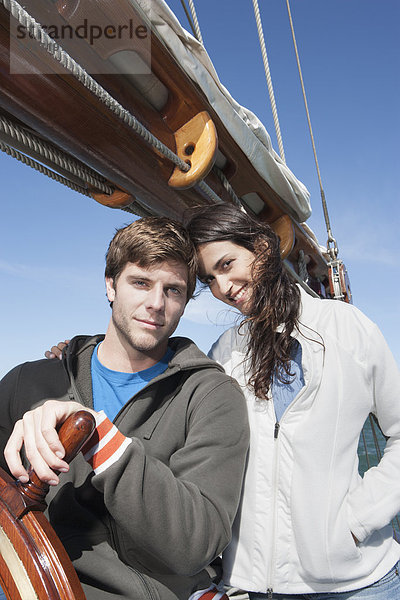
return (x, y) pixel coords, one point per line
(77, 361)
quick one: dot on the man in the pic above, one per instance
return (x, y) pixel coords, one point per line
(149, 504)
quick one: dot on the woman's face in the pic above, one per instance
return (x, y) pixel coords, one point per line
(226, 268)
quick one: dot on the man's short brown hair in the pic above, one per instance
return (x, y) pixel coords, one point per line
(150, 241)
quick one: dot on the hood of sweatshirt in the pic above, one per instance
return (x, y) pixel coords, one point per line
(77, 362)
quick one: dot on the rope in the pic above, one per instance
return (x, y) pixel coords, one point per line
(195, 21)
(209, 192)
(26, 160)
(301, 263)
(333, 252)
(32, 142)
(134, 208)
(299, 280)
(51, 154)
(64, 59)
(365, 448)
(375, 438)
(227, 186)
(194, 24)
(269, 80)
(137, 209)
(188, 17)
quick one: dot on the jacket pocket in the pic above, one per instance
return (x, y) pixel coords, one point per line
(343, 552)
(327, 550)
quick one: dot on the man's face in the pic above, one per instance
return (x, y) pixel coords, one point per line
(147, 305)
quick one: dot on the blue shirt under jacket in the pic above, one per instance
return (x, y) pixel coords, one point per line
(284, 393)
(113, 389)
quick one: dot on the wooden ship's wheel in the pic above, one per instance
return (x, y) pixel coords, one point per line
(33, 563)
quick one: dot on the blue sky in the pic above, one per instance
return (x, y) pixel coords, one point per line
(52, 240)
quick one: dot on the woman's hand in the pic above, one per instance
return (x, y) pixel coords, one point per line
(37, 432)
(56, 351)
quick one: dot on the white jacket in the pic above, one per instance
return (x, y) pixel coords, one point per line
(302, 495)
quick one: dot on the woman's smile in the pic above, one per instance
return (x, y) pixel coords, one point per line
(240, 295)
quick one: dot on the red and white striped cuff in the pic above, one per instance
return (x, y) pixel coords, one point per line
(105, 446)
(211, 593)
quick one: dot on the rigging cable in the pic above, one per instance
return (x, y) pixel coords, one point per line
(26, 160)
(227, 186)
(188, 17)
(195, 21)
(21, 139)
(332, 251)
(63, 168)
(39, 34)
(269, 80)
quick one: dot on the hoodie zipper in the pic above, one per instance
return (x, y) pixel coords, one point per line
(145, 584)
(150, 595)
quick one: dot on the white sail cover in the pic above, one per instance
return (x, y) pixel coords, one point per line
(243, 125)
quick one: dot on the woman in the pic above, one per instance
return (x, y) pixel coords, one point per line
(312, 370)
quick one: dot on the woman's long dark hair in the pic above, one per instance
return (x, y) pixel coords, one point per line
(275, 299)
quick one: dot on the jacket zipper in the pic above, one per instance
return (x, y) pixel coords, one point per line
(145, 584)
(273, 524)
(277, 429)
(115, 546)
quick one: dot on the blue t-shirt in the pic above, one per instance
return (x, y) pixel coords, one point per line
(113, 389)
(284, 393)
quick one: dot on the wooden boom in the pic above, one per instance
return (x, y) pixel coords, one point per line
(47, 99)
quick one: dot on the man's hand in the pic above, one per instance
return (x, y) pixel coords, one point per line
(56, 351)
(37, 432)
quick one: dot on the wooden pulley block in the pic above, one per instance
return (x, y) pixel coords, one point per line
(284, 229)
(339, 281)
(196, 144)
(33, 563)
(118, 199)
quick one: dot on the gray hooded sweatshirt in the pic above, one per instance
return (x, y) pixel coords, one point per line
(149, 524)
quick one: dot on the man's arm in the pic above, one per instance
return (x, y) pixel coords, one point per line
(181, 513)
(178, 514)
